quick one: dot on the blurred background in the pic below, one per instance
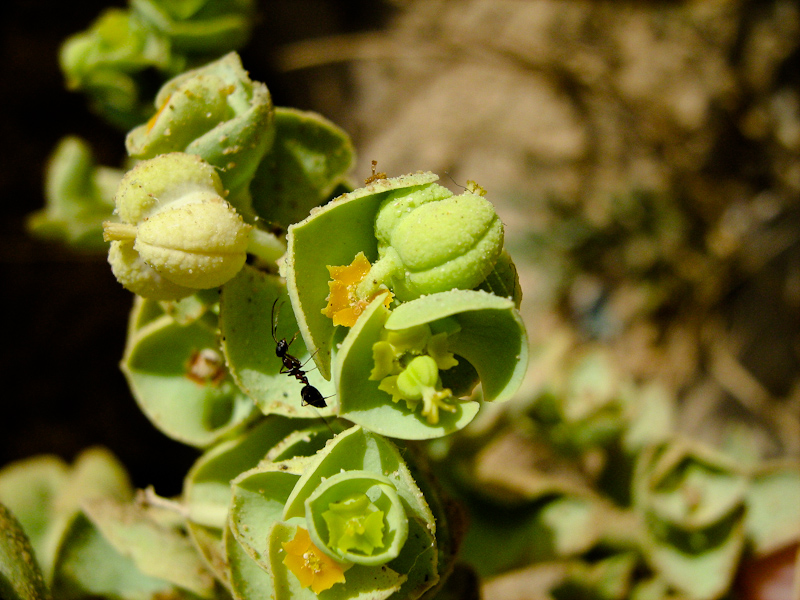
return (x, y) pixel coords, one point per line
(644, 156)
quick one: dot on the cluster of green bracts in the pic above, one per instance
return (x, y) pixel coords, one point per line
(392, 302)
(115, 60)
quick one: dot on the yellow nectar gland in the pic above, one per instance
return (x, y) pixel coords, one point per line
(344, 305)
(310, 565)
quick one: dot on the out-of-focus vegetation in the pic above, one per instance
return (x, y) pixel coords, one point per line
(648, 155)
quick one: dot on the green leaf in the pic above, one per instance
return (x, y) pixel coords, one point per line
(79, 197)
(773, 507)
(192, 405)
(29, 488)
(199, 26)
(309, 159)
(20, 575)
(246, 308)
(77, 574)
(218, 113)
(156, 551)
(248, 580)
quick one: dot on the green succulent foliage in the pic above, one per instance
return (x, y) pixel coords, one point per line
(114, 61)
(207, 490)
(20, 575)
(246, 328)
(79, 197)
(693, 505)
(177, 373)
(199, 27)
(46, 495)
(485, 331)
(110, 61)
(141, 557)
(309, 159)
(218, 113)
(359, 502)
(773, 509)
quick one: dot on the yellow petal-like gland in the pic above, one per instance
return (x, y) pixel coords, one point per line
(312, 567)
(344, 306)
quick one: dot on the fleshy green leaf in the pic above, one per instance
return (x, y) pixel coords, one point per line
(309, 158)
(199, 26)
(216, 112)
(246, 305)
(179, 380)
(773, 507)
(79, 197)
(156, 551)
(20, 575)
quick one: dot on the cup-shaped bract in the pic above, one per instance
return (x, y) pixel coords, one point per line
(348, 522)
(177, 234)
(79, 196)
(207, 489)
(199, 26)
(109, 60)
(216, 112)
(692, 502)
(402, 373)
(413, 237)
(177, 373)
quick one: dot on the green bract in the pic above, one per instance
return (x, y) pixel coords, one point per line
(178, 234)
(199, 26)
(419, 238)
(305, 166)
(692, 502)
(372, 531)
(216, 112)
(246, 308)
(482, 333)
(207, 488)
(79, 197)
(108, 62)
(177, 373)
(114, 61)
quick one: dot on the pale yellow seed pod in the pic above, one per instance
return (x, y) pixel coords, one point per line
(154, 184)
(138, 277)
(177, 233)
(199, 244)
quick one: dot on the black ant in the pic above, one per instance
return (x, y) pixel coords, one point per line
(294, 368)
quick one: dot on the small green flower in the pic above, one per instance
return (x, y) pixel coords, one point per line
(420, 381)
(417, 239)
(430, 353)
(354, 524)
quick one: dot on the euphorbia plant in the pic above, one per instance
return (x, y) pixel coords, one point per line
(387, 307)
